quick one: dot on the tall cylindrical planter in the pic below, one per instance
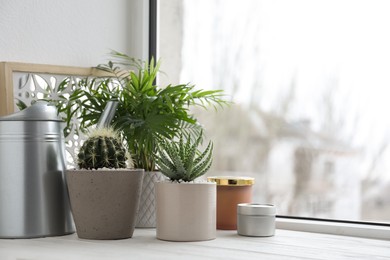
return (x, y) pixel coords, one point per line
(104, 203)
(147, 209)
(186, 211)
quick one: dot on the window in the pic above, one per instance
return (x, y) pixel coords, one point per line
(311, 88)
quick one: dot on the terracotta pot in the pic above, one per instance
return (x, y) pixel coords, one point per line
(231, 191)
(186, 211)
(147, 209)
(104, 203)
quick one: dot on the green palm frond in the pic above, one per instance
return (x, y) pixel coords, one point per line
(145, 113)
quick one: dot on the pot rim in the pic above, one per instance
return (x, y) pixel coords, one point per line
(186, 183)
(104, 169)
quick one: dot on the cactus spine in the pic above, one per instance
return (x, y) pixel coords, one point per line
(103, 149)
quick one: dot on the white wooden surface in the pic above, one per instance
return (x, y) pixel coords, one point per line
(285, 244)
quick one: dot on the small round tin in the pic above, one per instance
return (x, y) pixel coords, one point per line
(257, 220)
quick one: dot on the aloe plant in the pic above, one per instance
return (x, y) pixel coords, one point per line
(182, 161)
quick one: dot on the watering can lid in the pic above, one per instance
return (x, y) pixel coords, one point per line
(39, 111)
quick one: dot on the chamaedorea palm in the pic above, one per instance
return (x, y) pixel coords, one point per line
(146, 111)
(182, 161)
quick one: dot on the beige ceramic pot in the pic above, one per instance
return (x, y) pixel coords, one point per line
(186, 211)
(147, 208)
(104, 203)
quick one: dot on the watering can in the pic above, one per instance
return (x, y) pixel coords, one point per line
(33, 195)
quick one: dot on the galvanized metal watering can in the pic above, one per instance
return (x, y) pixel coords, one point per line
(33, 196)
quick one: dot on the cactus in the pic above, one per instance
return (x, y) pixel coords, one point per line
(182, 161)
(103, 149)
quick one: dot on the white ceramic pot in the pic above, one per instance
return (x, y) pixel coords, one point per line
(147, 207)
(186, 211)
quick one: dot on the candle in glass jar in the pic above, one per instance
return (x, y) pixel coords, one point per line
(231, 191)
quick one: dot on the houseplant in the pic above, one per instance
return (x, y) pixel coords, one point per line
(145, 113)
(104, 194)
(185, 208)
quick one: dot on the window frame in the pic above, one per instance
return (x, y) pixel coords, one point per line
(376, 230)
(335, 227)
(153, 19)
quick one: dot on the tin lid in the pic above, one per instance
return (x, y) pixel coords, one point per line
(232, 180)
(39, 111)
(256, 209)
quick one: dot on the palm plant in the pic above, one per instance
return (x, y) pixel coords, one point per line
(182, 161)
(146, 112)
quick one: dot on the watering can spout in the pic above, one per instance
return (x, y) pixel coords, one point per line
(108, 114)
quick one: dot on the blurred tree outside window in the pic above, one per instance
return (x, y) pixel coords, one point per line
(311, 88)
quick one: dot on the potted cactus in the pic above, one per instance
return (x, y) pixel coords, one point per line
(104, 192)
(185, 205)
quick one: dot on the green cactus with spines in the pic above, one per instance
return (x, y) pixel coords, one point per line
(103, 149)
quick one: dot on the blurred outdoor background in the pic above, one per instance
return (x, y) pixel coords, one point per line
(310, 82)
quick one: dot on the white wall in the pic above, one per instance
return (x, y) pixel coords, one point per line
(72, 32)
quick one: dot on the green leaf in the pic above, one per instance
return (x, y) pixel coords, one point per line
(146, 112)
(182, 161)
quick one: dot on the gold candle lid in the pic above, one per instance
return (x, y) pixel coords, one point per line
(232, 180)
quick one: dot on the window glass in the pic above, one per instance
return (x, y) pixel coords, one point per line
(311, 88)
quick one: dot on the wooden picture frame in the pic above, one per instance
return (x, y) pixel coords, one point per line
(26, 81)
(8, 69)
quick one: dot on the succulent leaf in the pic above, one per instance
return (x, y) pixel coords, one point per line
(182, 161)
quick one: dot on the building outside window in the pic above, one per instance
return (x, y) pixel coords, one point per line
(311, 88)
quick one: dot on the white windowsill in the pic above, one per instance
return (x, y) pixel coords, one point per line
(286, 244)
(335, 228)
